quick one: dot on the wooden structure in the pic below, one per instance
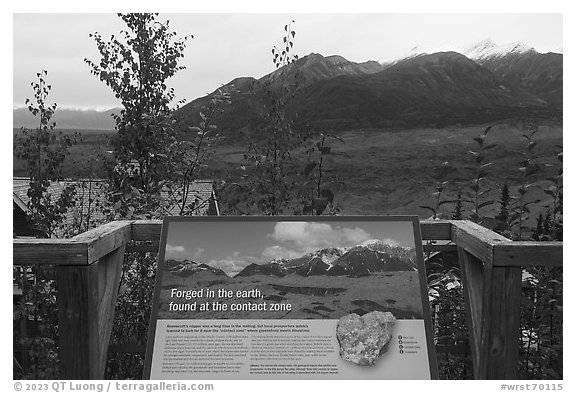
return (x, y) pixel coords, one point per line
(89, 266)
(91, 196)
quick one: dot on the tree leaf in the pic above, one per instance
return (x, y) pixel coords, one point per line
(486, 203)
(428, 208)
(309, 168)
(320, 205)
(479, 140)
(327, 194)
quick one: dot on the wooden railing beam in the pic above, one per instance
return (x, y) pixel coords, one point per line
(436, 229)
(88, 270)
(106, 238)
(528, 254)
(476, 239)
(48, 252)
(153, 247)
(440, 247)
(143, 230)
(83, 249)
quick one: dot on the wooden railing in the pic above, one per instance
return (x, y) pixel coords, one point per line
(88, 270)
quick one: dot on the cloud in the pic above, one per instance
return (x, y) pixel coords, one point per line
(309, 236)
(175, 252)
(181, 252)
(198, 253)
(279, 252)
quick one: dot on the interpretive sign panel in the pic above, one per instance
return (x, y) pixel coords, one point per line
(290, 298)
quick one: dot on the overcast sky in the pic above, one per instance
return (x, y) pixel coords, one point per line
(231, 246)
(226, 46)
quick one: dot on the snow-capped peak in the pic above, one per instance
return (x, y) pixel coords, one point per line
(376, 242)
(480, 48)
(488, 48)
(418, 50)
(415, 51)
(370, 242)
(329, 255)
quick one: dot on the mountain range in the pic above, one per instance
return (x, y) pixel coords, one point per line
(488, 82)
(361, 260)
(69, 119)
(537, 73)
(483, 83)
(187, 268)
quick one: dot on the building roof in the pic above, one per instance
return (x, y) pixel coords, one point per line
(91, 197)
(200, 195)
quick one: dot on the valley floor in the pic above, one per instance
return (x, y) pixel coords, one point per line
(386, 172)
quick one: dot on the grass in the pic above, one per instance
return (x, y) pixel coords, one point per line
(85, 159)
(379, 171)
(384, 172)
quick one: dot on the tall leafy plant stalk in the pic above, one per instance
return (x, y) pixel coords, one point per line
(43, 150)
(438, 194)
(520, 206)
(503, 216)
(542, 305)
(270, 185)
(556, 191)
(321, 196)
(476, 191)
(542, 315)
(444, 288)
(446, 297)
(136, 67)
(132, 315)
(282, 57)
(457, 214)
(190, 153)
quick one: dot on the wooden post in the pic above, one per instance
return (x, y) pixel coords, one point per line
(110, 273)
(492, 294)
(77, 288)
(501, 323)
(472, 272)
(86, 300)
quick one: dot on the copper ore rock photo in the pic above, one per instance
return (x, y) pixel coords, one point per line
(363, 339)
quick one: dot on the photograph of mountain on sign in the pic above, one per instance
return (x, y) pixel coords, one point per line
(290, 270)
